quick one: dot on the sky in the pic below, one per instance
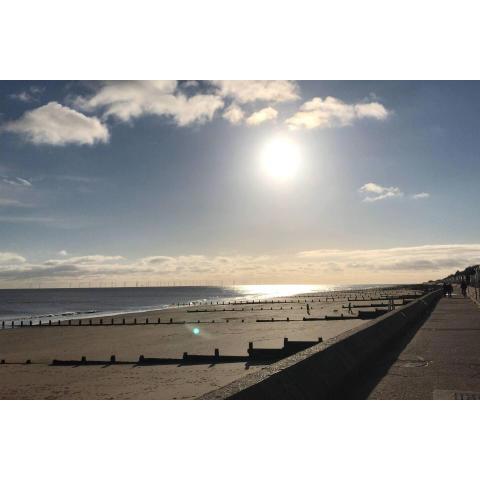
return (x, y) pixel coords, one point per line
(220, 182)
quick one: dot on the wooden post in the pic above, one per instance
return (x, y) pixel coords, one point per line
(217, 353)
(112, 359)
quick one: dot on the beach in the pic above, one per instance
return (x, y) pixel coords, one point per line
(197, 329)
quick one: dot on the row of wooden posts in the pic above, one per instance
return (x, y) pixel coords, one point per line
(289, 348)
(240, 310)
(85, 323)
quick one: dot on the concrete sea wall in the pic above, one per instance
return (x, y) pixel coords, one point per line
(316, 372)
(474, 293)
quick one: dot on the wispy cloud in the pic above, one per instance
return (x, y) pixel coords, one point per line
(333, 112)
(419, 196)
(55, 124)
(32, 94)
(34, 219)
(12, 202)
(376, 192)
(16, 181)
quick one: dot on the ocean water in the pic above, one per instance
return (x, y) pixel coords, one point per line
(37, 304)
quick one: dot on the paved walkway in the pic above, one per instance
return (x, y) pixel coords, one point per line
(439, 360)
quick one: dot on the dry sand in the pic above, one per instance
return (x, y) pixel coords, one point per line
(41, 345)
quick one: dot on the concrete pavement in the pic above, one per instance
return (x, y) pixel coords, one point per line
(438, 359)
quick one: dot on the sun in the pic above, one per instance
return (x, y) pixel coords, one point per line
(280, 159)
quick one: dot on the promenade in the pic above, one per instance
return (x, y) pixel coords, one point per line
(439, 359)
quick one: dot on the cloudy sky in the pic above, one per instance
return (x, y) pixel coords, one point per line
(248, 181)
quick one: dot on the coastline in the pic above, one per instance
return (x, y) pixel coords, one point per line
(157, 309)
(228, 328)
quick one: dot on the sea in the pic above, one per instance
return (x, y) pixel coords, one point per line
(70, 303)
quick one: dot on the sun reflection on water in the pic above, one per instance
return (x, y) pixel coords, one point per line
(268, 291)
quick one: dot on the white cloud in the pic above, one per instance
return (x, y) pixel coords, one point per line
(347, 265)
(263, 115)
(11, 258)
(126, 100)
(85, 260)
(63, 253)
(423, 257)
(55, 124)
(421, 195)
(158, 259)
(379, 192)
(332, 112)
(17, 181)
(234, 114)
(245, 91)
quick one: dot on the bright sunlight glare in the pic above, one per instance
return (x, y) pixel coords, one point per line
(280, 159)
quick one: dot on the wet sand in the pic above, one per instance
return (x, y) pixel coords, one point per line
(230, 333)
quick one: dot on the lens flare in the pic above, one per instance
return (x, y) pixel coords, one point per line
(196, 331)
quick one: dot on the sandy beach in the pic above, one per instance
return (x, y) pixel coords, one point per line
(195, 329)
